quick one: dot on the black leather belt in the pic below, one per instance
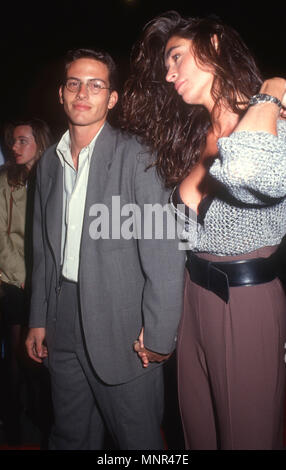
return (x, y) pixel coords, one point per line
(218, 277)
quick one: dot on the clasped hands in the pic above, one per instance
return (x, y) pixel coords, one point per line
(146, 355)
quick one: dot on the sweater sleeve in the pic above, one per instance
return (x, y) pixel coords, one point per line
(252, 165)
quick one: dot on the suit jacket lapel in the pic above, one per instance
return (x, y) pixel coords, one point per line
(54, 207)
(102, 156)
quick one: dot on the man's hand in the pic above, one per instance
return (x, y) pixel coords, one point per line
(35, 344)
(146, 355)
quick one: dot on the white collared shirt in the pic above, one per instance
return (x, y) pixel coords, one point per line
(74, 196)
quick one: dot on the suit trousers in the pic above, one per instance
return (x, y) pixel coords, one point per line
(84, 406)
(231, 365)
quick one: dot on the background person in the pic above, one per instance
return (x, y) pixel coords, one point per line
(26, 142)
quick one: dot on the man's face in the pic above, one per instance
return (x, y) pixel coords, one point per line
(84, 108)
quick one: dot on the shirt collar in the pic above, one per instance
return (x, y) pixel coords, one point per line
(63, 147)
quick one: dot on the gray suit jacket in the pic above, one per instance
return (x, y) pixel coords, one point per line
(123, 284)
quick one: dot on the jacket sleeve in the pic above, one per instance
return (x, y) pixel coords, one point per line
(252, 165)
(38, 308)
(161, 259)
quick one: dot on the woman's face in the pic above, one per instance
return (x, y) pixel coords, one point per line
(192, 80)
(24, 146)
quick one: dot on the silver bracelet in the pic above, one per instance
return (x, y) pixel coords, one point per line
(264, 98)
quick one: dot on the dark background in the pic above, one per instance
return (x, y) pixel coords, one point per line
(34, 37)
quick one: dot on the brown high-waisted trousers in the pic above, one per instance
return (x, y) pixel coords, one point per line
(231, 365)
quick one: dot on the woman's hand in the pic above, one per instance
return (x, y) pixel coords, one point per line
(263, 116)
(275, 87)
(146, 355)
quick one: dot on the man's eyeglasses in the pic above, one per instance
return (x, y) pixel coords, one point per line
(94, 85)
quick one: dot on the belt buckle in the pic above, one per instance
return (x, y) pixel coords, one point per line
(218, 282)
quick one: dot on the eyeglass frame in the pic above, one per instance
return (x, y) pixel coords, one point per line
(80, 82)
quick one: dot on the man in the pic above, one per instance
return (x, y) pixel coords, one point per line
(94, 295)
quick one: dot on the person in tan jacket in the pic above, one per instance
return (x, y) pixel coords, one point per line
(26, 142)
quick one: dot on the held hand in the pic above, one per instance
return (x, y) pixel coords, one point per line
(35, 344)
(138, 347)
(145, 354)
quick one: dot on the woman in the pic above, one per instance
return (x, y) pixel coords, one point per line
(191, 96)
(26, 141)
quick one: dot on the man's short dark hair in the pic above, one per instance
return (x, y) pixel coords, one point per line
(99, 55)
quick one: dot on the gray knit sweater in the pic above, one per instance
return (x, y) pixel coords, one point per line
(249, 209)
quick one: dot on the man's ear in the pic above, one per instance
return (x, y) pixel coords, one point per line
(61, 94)
(112, 99)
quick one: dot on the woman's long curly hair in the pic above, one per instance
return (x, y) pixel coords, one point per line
(18, 175)
(152, 109)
